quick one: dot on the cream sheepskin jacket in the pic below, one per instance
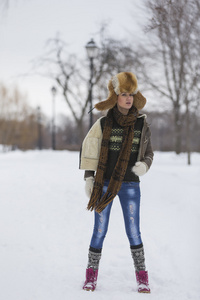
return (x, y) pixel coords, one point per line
(91, 146)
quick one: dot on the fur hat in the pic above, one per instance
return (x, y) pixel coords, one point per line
(124, 82)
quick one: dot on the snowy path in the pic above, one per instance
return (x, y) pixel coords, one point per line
(45, 231)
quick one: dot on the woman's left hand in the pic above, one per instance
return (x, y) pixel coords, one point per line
(140, 168)
(89, 183)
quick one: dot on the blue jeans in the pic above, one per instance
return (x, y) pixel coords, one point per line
(129, 196)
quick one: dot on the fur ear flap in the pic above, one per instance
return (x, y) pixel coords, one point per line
(107, 104)
(110, 102)
(139, 100)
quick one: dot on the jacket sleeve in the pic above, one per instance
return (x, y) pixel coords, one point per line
(88, 173)
(148, 156)
(90, 150)
(146, 152)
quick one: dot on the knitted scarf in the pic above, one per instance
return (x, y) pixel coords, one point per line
(98, 202)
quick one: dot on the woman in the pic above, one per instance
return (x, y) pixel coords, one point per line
(118, 148)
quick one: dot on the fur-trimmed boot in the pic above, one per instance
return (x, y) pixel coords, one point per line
(92, 270)
(137, 253)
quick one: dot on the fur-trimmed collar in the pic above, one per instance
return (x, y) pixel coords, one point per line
(142, 116)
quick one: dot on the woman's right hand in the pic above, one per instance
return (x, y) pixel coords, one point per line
(89, 183)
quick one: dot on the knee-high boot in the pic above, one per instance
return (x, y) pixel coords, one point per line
(94, 256)
(137, 253)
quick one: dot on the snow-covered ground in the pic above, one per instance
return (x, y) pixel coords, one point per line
(45, 230)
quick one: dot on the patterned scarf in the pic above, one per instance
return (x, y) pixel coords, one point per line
(98, 202)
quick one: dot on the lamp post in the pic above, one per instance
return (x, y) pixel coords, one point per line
(53, 137)
(92, 52)
(39, 128)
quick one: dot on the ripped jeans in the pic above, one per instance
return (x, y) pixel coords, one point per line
(129, 196)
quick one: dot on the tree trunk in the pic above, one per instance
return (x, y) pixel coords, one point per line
(177, 126)
(188, 134)
(80, 127)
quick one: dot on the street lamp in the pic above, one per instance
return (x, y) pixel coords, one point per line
(92, 52)
(53, 137)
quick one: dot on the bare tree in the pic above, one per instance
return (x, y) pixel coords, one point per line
(175, 29)
(71, 73)
(4, 4)
(18, 121)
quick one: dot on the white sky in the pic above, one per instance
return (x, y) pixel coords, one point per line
(28, 24)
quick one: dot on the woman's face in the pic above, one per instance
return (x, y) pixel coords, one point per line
(124, 102)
